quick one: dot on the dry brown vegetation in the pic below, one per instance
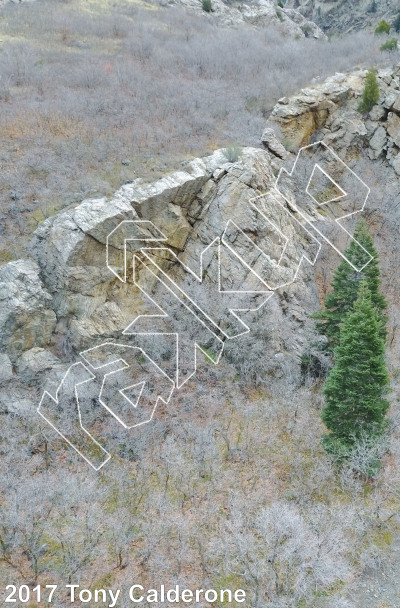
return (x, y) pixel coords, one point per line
(228, 487)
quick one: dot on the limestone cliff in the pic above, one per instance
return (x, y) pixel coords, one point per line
(368, 143)
(343, 16)
(260, 13)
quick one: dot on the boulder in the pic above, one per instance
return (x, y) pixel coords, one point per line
(377, 142)
(26, 317)
(6, 370)
(34, 361)
(301, 115)
(393, 127)
(377, 113)
(272, 143)
(390, 98)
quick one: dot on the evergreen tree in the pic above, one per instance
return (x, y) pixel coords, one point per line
(346, 284)
(370, 93)
(396, 23)
(390, 45)
(354, 391)
(383, 27)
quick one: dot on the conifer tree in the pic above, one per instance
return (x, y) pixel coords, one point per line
(355, 388)
(370, 94)
(396, 23)
(346, 284)
(383, 27)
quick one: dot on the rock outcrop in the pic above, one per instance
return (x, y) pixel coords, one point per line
(260, 13)
(370, 145)
(303, 114)
(190, 208)
(26, 317)
(343, 16)
(68, 299)
(329, 112)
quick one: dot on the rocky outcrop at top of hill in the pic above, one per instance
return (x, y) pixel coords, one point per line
(259, 13)
(343, 16)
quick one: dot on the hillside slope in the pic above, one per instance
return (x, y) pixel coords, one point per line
(127, 127)
(236, 452)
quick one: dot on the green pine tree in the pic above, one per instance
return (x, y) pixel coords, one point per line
(396, 23)
(383, 27)
(346, 283)
(355, 388)
(370, 93)
(390, 45)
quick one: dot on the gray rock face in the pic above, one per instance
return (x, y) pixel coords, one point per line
(26, 319)
(70, 247)
(300, 116)
(34, 361)
(377, 142)
(272, 143)
(190, 208)
(344, 16)
(259, 13)
(6, 371)
(329, 112)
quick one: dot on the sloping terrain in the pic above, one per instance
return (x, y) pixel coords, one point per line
(199, 468)
(228, 485)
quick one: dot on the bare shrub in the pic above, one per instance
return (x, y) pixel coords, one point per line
(232, 153)
(286, 555)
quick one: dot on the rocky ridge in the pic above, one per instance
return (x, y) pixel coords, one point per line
(68, 299)
(343, 16)
(328, 111)
(260, 13)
